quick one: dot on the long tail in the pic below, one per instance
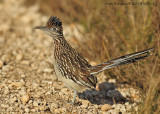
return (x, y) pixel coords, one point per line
(126, 59)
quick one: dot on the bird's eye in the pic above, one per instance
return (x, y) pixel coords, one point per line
(54, 29)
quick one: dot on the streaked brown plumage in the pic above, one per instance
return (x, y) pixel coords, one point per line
(71, 68)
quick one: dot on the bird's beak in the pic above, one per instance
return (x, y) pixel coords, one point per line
(40, 27)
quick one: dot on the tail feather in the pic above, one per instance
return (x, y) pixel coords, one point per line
(130, 58)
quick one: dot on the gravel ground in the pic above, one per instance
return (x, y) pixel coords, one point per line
(27, 80)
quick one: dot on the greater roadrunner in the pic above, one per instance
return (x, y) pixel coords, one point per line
(71, 68)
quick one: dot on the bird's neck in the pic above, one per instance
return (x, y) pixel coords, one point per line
(60, 44)
(58, 39)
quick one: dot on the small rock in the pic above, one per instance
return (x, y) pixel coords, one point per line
(25, 98)
(41, 108)
(19, 57)
(23, 76)
(26, 110)
(1, 64)
(127, 103)
(57, 111)
(33, 110)
(54, 105)
(120, 107)
(25, 62)
(12, 100)
(114, 111)
(50, 82)
(34, 66)
(35, 103)
(30, 102)
(128, 107)
(85, 103)
(1, 86)
(136, 97)
(17, 84)
(34, 85)
(6, 68)
(6, 91)
(4, 106)
(49, 93)
(10, 109)
(48, 70)
(22, 92)
(60, 110)
(96, 106)
(106, 107)
(112, 80)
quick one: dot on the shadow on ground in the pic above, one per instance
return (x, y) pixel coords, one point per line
(107, 94)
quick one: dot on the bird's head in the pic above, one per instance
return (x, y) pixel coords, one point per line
(53, 27)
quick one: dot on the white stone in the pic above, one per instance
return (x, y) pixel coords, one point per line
(25, 98)
(35, 103)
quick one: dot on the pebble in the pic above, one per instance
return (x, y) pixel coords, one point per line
(106, 107)
(12, 100)
(25, 62)
(85, 103)
(1, 64)
(22, 92)
(1, 86)
(34, 85)
(54, 105)
(48, 93)
(112, 80)
(6, 68)
(30, 102)
(41, 108)
(120, 107)
(48, 70)
(6, 91)
(10, 109)
(25, 98)
(56, 111)
(35, 103)
(18, 85)
(4, 106)
(33, 110)
(23, 76)
(19, 57)
(26, 110)
(136, 97)
(60, 110)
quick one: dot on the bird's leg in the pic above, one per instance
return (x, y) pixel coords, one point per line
(74, 97)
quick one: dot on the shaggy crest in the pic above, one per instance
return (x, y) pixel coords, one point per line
(54, 21)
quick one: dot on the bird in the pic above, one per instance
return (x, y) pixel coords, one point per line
(70, 66)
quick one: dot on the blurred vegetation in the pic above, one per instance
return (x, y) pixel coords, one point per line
(112, 31)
